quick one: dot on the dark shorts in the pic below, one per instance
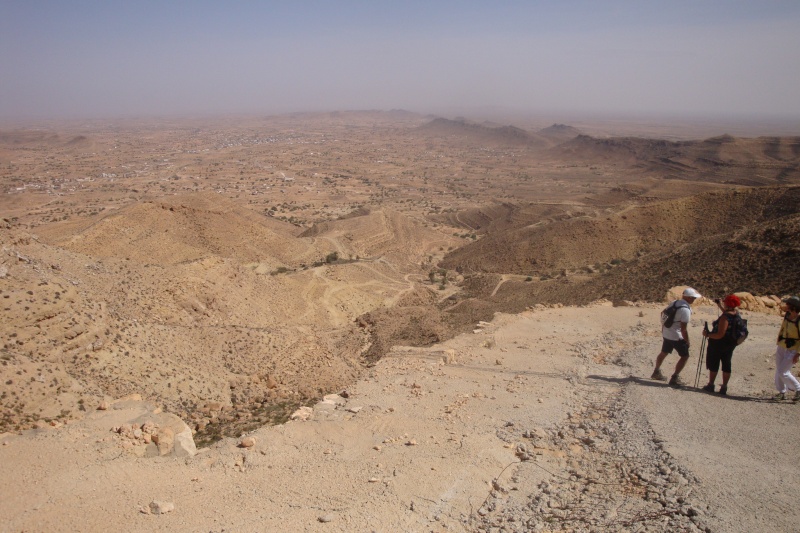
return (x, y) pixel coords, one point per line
(679, 346)
(719, 353)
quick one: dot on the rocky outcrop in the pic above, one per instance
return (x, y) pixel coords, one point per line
(154, 433)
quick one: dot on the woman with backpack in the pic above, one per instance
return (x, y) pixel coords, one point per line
(786, 352)
(722, 340)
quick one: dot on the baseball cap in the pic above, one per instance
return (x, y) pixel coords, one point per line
(691, 293)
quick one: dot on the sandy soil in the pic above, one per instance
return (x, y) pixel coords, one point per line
(543, 421)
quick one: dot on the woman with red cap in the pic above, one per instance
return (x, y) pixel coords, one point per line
(722, 342)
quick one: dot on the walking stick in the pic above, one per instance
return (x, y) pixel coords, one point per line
(700, 359)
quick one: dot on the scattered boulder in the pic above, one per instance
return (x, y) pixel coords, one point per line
(157, 434)
(303, 414)
(183, 444)
(247, 442)
(165, 440)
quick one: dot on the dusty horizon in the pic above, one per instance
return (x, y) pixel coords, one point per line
(615, 59)
(664, 126)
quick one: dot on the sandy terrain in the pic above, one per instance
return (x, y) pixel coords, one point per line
(541, 421)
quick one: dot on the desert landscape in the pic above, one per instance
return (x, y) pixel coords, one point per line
(388, 321)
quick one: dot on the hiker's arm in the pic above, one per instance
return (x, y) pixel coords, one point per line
(722, 327)
(685, 333)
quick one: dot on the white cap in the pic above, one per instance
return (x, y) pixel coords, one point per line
(691, 293)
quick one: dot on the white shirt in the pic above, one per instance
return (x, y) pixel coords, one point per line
(682, 315)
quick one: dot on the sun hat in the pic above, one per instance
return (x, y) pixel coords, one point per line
(732, 301)
(690, 292)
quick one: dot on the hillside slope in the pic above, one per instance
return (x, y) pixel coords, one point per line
(726, 159)
(583, 242)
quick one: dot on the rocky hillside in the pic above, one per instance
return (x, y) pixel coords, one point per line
(727, 159)
(193, 302)
(591, 242)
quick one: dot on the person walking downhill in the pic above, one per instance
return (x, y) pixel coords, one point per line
(675, 336)
(722, 340)
(786, 352)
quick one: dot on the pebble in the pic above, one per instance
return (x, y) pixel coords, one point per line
(326, 518)
(159, 507)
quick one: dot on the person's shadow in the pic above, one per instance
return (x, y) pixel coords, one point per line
(644, 382)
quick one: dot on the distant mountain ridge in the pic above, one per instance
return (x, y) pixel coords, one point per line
(742, 161)
(498, 135)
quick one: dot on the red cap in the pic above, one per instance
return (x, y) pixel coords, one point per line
(732, 301)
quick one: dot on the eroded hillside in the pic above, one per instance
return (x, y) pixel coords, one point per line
(197, 303)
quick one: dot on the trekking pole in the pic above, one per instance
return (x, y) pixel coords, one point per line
(700, 359)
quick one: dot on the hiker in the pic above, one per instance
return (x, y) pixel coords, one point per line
(722, 340)
(786, 352)
(673, 330)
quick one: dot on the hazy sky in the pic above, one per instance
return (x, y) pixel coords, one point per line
(109, 58)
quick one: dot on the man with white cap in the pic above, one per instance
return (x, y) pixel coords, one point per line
(675, 336)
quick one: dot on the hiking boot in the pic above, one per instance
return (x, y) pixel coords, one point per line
(723, 390)
(796, 398)
(779, 397)
(658, 376)
(676, 381)
(710, 388)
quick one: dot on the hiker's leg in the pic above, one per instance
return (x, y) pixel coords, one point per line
(712, 364)
(681, 364)
(683, 351)
(726, 366)
(712, 377)
(783, 370)
(779, 386)
(660, 359)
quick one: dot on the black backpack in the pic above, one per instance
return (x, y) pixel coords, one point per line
(668, 314)
(737, 329)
